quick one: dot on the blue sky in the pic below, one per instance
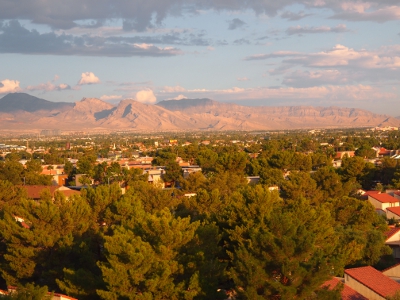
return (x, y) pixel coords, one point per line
(254, 52)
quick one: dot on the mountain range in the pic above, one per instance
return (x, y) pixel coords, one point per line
(23, 112)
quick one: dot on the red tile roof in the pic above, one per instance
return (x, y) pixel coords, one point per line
(392, 231)
(374, 280)
(347, 293)
(395, 210)
(384, 198)
(371, 192)
(34, 191)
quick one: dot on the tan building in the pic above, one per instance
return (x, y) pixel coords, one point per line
(347, 293)
(383, 201)
(370, 283)
(34, 191)
(393, 240)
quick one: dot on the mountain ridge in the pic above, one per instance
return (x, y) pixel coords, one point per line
(91, 114)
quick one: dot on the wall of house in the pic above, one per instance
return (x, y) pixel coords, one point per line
(380, 205)
(390, 215)
(362, 289)
(392, 272)
(376, 203)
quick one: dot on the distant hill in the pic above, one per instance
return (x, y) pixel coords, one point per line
(25, 102)
(22, 111)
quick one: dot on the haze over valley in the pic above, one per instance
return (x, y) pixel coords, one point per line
(23, 112)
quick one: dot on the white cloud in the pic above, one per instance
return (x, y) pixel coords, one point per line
(146, 96)
(342, 56)
(180, 97)
(243, 79)
(88, 78)
(9, 86)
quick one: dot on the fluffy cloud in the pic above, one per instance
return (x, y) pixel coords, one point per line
(88, 78)
(322, 29)
(9, 86)
(146, 96)
(179, 97)
(340, 55)
(338, 65)
(243, 79)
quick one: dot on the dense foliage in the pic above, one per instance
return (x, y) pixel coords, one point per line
(230, 238)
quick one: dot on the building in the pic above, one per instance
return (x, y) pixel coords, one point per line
(382, 200)
(347, 293)
(370, 283)
(34, 191)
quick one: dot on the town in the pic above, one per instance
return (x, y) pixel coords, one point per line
(223, 215)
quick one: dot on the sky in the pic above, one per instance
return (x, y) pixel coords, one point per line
(248, 52)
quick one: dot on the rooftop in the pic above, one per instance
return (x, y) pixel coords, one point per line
(347, 293)
(395, 210)
(374, 280)
(383, 198)
(393, 230)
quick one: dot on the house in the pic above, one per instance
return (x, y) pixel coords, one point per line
(370, 283)
(253, 179)
(393, 213)
(155, 176)
(187, 170)
(382, 200)
(34, 191)
(341, 154)
(393, 241)
(393, 272)
(347, 293)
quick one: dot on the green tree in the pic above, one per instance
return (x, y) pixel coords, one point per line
(329, 182)
(279, 250)
(28, 292)
(173, 172)
(147, 265)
